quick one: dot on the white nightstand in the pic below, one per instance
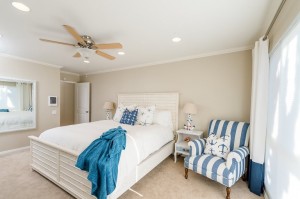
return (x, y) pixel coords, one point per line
(181, 146)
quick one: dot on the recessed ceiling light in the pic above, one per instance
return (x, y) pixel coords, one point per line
(121, 53)
(86, 61)
(176, 39)
(20, 6)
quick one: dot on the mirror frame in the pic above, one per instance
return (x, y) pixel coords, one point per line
(34, 102)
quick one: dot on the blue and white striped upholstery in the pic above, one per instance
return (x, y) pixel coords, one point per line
(197, 146)
(237, 130)
(226, 172)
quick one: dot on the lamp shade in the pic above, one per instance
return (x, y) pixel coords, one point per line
(108, 105)
(190, 108)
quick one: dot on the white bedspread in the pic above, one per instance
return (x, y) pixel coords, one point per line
(141, 141)
(16, 120)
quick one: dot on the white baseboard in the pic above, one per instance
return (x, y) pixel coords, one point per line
(266, 195)
(2, 153)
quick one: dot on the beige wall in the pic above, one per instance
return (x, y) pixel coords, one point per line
(219, 85)
(47, 79)
(290, 10)
(67, 91)
(67, 94)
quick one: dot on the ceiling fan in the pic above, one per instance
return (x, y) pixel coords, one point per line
(86, 42)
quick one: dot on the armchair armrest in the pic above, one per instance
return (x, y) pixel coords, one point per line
(236, 156)
(196, 146)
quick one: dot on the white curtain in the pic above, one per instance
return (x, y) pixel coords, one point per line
(258, 120)
(25, 95)
(282, 168)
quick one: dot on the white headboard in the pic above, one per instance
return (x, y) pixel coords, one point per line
(162, 101)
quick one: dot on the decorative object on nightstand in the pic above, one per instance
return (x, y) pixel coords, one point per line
(108, 106)
(190, 109)
(183, 137)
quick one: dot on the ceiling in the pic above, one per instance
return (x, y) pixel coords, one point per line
(145, 28)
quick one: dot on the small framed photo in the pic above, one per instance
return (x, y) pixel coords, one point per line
(52, 101)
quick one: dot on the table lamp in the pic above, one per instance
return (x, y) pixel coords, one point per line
(108, 106)
(190, 109)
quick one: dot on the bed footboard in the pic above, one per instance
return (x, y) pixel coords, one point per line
(57, 164)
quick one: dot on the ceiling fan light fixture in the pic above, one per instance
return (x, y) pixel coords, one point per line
(121, 53)
(20, 6)
(86, 60)
(176, 39)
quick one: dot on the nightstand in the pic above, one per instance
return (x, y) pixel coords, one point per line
(181, 146)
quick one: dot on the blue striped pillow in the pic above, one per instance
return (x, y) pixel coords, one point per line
(129, 117)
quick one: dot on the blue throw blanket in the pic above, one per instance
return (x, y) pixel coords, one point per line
(101, 159)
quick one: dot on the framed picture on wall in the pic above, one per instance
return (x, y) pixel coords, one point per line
(52, 100)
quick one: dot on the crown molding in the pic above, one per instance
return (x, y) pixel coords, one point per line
(70, 73)
(29, 60)
(209, 54)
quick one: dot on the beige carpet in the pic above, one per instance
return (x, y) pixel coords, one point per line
(164, 182)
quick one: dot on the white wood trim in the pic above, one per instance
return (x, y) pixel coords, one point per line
(69, 73)
(3, 153)
(266, 195)
(207, 54)
(58, 163)
(29, 60)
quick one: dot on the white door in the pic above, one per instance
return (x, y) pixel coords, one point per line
(82, 102)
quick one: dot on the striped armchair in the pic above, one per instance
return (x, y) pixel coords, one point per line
(226, 172)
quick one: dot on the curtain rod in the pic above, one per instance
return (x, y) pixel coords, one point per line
(274, 19)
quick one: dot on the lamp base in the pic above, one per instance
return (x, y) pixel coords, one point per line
(189, 126)
(108, 113)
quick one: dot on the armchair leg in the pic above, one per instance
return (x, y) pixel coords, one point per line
(228, 192)
(244, 177)
(186, 175)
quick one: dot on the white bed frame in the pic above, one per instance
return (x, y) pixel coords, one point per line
(57, 163)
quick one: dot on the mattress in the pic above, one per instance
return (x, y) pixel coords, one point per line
(141, 141)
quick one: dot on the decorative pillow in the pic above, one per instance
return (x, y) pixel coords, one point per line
(218, 146)
(145, 115)
(129, 117)
(120, 110)
(163, 118)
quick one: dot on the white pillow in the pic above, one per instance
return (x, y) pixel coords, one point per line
(163, 118)
(218, 146)
(120, 110)
(145, 115)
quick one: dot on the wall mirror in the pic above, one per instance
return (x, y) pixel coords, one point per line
(17, 104)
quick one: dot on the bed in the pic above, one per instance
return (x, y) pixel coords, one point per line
(16, 120)
(55, 159)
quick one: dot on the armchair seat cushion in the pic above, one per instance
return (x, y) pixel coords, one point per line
(208, 165)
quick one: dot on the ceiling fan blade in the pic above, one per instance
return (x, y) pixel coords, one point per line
(77, 55)
(109, 46)
(107, 56)
(57, 42)
(73, 32)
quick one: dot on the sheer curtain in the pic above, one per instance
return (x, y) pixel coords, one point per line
(282, 169)
(25, 95)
